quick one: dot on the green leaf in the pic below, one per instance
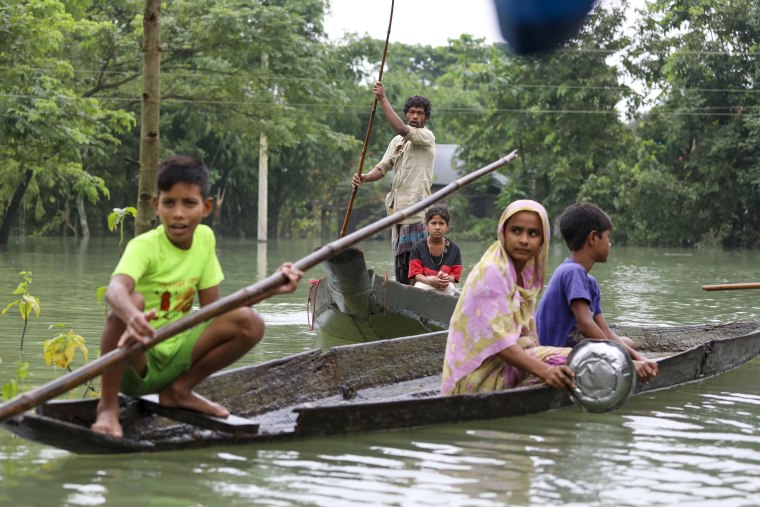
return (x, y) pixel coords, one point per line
(34, 303)
(10, 390)
(51, 349)
(25, 309)
(113, 218)
(101, 293)
(10, 305)
(22, 370)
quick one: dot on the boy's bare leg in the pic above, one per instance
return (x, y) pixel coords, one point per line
(222, 343)
(107, 419)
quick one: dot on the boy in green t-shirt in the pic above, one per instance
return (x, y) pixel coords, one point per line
(161, 271)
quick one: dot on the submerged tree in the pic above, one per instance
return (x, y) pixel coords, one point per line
(45, 125)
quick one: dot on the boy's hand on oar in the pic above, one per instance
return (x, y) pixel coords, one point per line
(138, 329)
(294, 276)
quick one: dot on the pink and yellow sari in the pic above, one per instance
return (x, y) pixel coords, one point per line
(494, 313)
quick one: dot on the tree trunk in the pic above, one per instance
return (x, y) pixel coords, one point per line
(66, 216)
(149, 118)
(13, 207)
(324, 225)
(21, 223)
(217, 219)
(82, 217)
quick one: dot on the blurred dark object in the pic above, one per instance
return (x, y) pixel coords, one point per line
(533, 26)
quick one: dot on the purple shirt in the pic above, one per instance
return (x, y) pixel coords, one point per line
(554, 318)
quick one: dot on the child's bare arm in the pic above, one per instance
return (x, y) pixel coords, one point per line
(208, 296)
(612, 335)
(560, 376)
(119, 298)
(584, 320)
(646, 369)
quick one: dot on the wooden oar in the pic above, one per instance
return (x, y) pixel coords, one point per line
(243, 297)
(732, 286)
(369, 130)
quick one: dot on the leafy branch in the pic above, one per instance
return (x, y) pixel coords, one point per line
(26, 303)
(116, 219)
(61, 349)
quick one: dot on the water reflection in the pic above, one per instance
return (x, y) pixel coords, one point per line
(694, 445)
(261, 260)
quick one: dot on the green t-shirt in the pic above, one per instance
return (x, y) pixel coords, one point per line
(169, 277)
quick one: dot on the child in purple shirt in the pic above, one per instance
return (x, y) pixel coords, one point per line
(570, 309)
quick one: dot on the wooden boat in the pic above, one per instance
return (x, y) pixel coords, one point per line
(382, 385)
(352, 303)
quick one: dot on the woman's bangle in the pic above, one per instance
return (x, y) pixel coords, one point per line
(548, 370)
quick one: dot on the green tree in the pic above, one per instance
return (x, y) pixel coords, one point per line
(46, 127)
(559, 110)
(699, 59)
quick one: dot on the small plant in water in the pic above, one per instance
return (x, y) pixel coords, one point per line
(116, 219)
(61, 349)
(10, 388)
(26, 303)
(101, 297)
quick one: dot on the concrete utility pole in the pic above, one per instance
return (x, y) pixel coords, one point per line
(149, 117)
(263, 177)
(263, 173)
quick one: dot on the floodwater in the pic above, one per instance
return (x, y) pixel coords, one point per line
(693, 445)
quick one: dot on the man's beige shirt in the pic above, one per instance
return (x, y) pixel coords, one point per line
(412, 157)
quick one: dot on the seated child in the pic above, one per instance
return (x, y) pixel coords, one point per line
(155, 283)
(492, 343)
(435, 262)
(570, 308)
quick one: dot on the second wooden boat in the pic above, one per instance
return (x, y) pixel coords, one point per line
(352, 303)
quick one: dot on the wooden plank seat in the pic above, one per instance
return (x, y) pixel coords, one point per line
(232, 424)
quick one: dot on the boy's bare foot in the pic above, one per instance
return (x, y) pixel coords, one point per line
(190, 400)
(107, 422)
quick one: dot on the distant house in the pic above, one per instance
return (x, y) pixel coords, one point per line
(446, 170)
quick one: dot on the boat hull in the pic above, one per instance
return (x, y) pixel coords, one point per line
(354, 304)
(384, 385)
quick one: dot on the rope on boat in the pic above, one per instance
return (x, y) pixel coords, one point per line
(385, 294)
(311, 309)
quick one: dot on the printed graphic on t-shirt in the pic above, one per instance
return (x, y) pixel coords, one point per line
(176, 298)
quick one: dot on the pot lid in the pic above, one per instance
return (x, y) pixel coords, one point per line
(604, 375)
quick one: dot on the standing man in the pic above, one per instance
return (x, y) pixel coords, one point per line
(411, 154)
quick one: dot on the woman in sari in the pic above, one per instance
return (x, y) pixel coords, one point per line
(492, 343)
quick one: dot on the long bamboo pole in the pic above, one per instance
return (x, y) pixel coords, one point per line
(733, 286)
(243, 297)
(369, 129)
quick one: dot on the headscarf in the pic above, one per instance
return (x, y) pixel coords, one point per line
(494, 313)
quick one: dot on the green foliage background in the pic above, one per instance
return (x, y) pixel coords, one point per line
(657, 122)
